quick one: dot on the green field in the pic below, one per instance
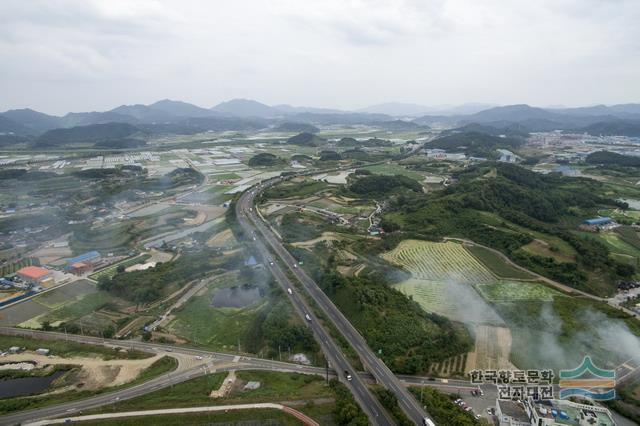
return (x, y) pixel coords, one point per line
(211, 327)
(439, 262)
(274, 387)
(510, 291)
(442, 298)
(233, 417)
(69, 349)
(394, 169)
(613, 241)
(496, 264)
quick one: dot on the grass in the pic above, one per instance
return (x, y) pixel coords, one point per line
(394, 169)
(509, 291)
(69, 349)
(76, 309)
(274, 387)
(613, 241)
(496, 264)
(233, 417)
(629, 235)
(209, 327)
(9, 405)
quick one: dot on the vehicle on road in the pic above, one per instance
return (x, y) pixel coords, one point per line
(428, 422)
(295, 265)
(347, 375)
(307, 317)
(289, 291)
(198, 357)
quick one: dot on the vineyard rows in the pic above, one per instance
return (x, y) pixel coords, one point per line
(439, 262)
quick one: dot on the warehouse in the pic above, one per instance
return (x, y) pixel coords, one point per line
(598, 221)
(88, 258)
(35, 275)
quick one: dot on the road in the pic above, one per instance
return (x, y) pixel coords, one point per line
(173, 411)
(253, 225)
(370, 405)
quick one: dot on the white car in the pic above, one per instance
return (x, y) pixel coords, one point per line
(289, 291)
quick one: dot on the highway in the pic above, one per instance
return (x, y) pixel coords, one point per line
(254, 226)
(212, 362)
(370, 405)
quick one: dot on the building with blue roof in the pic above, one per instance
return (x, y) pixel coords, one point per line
(598, 221)
(91, 256)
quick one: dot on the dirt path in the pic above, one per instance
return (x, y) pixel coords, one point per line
(96, 373)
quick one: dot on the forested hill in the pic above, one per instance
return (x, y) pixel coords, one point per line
(102, 134)
(507, 207)
(475, 144)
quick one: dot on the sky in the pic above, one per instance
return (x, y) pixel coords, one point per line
(58, 56)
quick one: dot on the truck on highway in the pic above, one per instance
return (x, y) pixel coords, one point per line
(307, 317)
(428, 422)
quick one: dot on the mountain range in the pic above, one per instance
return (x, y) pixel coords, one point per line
(171, 116)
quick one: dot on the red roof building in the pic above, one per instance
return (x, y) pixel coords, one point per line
(34, 274)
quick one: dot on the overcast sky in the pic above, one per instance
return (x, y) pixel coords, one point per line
(61, 55)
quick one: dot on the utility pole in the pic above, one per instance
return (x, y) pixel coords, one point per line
(327, 370)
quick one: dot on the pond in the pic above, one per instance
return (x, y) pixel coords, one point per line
(27, 385)
(236, 297)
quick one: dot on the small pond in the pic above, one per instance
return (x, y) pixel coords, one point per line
(27, 385)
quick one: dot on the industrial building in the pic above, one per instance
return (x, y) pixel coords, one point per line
(35, 275)
(552, 412)
(598, 221)
(90, 258)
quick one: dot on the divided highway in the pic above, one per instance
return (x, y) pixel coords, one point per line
(251, 222)
(370, 405)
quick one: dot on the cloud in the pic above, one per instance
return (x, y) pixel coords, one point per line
(62, 55)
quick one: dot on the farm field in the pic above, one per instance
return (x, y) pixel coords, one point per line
(447, 261)
(510, 291)
(394, 169)
(77, 303)
(455, 301)
(495, 263)
(613, 241)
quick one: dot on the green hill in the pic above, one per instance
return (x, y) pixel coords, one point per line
(507, 207)
(306, 139)
(265, 159)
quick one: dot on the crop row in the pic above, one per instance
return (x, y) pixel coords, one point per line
(439, 262)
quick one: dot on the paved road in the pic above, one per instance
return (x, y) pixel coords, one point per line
(369, 403)
(256, 228)
(173, 411)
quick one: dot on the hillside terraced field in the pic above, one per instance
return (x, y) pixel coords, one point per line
(447, 261)
(443, 280)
